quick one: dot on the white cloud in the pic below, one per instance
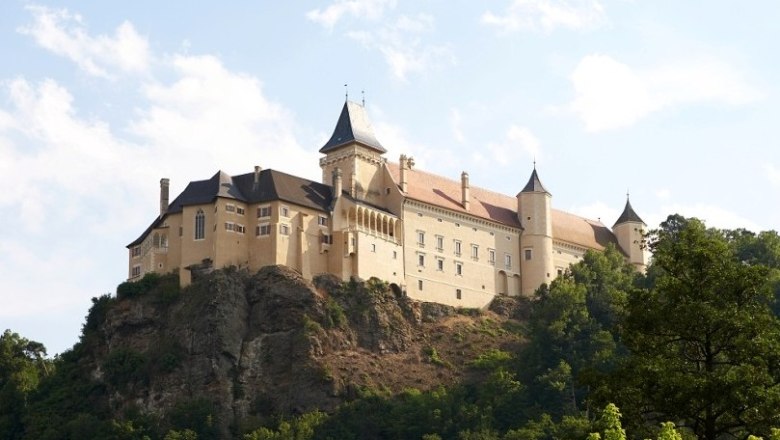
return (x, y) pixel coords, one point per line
(611, 94)
(207, 111)
(663, 194)
(82, 188)
(455, 122)
(402, 47)
(599, 210)
(519, 142)
(547, 15)
(772, 173)
(368, 9)
(65, 34)
(713, 216)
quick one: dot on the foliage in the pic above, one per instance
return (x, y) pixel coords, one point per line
(492, 359)
(705, 345)
(22, 367)
(124, 366)
(197, 415)
(335, 316)
(298, 428)
(572, 331)
(164, 288)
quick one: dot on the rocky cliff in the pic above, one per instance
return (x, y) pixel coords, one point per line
(244, 347)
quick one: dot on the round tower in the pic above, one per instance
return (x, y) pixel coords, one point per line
(536, 240)
(629, 230)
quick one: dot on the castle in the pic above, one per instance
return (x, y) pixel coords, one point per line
(437, 239)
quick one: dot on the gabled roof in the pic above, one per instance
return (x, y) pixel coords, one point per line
(489, 205)
(534, 184)
(628, 215)
(272, 185)
(353, 126)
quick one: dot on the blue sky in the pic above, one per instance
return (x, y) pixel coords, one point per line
(676, 102)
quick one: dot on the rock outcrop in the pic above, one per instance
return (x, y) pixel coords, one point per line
(250, 346)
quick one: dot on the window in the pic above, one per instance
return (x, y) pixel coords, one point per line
(322, 220)
(200, 225)
(421, 238)
(326, 239)
(420, 260)
(492, 256)
(457, 248)
(284, 229)
(508, 261)
(136, 251)
(439, 243)
(229, 226)
(230, 208)
(419, 284)
(458, 268)
(136, 271)
(440, 264)
(239, 210)
(395, 255)
(474, 252)
(264, 211)
(284, 211)
(373, 247)
(528, 253)
(560, 271)
(263, 229)
(181, 231)
(240, 229)
(457, 293)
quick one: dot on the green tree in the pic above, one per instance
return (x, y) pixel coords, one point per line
(573, 331)
(23, 365)
(705, 345)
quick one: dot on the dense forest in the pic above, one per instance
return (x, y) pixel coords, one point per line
(689, 349)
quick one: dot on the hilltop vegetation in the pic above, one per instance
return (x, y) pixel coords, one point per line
(690, 349)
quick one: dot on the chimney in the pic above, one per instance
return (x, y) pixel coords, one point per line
(402, 166)
(258, 168)
(337, 184)
(164, 186)
(464, 186)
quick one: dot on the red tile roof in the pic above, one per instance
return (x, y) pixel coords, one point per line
(489, 205)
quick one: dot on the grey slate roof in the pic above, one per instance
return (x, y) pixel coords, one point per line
(272, 185)
(353, 126)
(628, 215)
(534, 184)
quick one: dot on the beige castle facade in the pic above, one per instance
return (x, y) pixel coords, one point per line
(437, 239)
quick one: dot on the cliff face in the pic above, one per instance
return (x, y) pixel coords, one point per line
(252, 346)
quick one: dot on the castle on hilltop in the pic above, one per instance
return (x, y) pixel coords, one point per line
(437, 239)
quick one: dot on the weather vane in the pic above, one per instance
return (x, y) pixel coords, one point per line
(346, 93)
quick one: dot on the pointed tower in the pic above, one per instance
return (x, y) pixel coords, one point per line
(536, 241)
(629, 230)
(354, 149)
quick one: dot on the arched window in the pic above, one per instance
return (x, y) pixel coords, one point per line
(200, 225)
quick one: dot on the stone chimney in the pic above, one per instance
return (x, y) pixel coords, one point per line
(353, 185)
(402, 167)
(465, 190)
(258, 168)
(164, 192)
(337, 183)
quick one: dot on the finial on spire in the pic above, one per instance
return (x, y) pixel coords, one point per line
(346, 93)
(363, 94)
(534, 162)
(627, 194)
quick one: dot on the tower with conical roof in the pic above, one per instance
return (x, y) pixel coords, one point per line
(355, 151)
(536, 240)
(629, 230)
